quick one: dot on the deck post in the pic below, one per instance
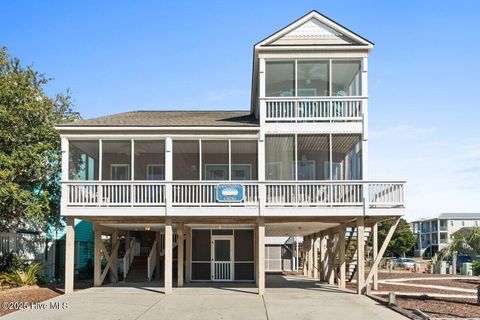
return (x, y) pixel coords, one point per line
(322, 262)
(375, 253)
(188, 254)
(168, 256)
(114, 257)
(261, 255)
(97, 260)
(310, 255)
(157, 255)
(360, 254)
(331, 258)
(70, 255)
(341, 254)
(180, 255)
(306, 242)
(315, 255)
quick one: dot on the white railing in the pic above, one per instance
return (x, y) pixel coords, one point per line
(152, 260)
(222, 271)
(315, 109)
(205, 193)
(162, 243)
(128, 258)
(373, 194)
(118, 193)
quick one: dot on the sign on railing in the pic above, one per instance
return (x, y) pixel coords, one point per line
(229, 193)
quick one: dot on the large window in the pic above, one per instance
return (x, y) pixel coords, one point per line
(116, 160)
(307, 157)
(186, 160)
(83, 160)
(215, 160)
(280, 157)
(149, 160)
(312, 78)
(280, 78)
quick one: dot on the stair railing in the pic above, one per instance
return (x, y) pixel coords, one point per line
(128, 258)
(152, 260)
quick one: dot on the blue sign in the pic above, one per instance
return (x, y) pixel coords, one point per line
(229, 193)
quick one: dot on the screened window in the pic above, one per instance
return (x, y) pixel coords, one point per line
(280, 78)
(312, 78)
(244, 159)
(116, 160)
(83, 160)
(346, 157)
(279, 157)
(313, 157)
(186, 160)
(149, 160)
(215, 160)
(346, 78)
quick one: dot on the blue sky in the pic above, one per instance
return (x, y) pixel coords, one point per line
(117, 56)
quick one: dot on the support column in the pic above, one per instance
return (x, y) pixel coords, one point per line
(306, 242)
(331, 259)
(188, 253)
(360, 254)
(375, 253)
(316, 242)
(168, 256)
(97, 263)
(114, 257)
(157, 255)
(180, 255)
(341, 253)
(310, 255)
(70, 255)
(323, 257)
(261, 256)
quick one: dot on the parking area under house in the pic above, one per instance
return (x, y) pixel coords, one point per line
(287, 297)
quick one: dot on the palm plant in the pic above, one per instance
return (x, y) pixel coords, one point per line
(24, 277)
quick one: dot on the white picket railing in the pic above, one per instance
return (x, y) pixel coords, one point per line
(222, 271)
(315, 109)
(152, 260)
(128, 258)
(373, 194)
(204, 194)
(118, 193)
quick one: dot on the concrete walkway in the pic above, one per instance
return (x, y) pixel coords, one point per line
(289, 297)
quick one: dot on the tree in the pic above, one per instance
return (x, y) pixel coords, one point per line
(29, 145)
(402, 240)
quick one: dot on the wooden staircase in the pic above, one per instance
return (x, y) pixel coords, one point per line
(138, 270)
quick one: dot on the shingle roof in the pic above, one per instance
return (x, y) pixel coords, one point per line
(170, 119)
(466, 216)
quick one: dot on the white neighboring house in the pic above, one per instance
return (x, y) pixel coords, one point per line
(200, 190)
(434, 234)
(29, 243)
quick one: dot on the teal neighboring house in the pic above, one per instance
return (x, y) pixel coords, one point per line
(84, 250)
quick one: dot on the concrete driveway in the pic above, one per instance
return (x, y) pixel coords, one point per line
(287, 297)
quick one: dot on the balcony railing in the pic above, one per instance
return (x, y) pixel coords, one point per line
(203, 194)
(327, 109)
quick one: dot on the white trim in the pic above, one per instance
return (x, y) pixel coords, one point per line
(230, 238)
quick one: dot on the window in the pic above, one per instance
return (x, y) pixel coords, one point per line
(83, 160)
(302, 78)
(279, 157)
(313, 157)
(116, 159)
(244, 157)
(312, 78)
(346, 157)
(149, 160)
(346, 78)
(215, 160)
(280, 78)
(186, 160)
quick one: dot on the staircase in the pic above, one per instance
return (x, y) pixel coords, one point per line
(352, 263)
(138, 270)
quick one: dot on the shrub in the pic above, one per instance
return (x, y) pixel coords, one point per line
(10, 262)
(29, 276)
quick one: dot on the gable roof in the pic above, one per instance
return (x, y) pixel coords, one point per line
(170, 119)
(314, 29)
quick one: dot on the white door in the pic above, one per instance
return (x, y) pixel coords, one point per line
(222, 258)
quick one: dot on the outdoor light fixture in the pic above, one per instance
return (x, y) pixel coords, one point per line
(147, 228)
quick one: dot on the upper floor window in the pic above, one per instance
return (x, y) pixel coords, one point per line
(312, 78)
(116, 159)
(149, 160)
(83, 160)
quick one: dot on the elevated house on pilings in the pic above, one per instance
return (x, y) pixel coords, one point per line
(191, 195)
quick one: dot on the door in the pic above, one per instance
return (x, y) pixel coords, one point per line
(222, 258)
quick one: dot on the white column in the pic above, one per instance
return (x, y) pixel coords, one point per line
(360, 254)
(316, 242)
(375, 253)
(296, 254)
(97, 260)
(64, 197)
(168, 175)
(261, 256)
(341, 253)
(323, 256)
(188, 253)
(114, 257)
(168, 256)
(180, 255)
(331, 258)
(70, 255)
(310, 255)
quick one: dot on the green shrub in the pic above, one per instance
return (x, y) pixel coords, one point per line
(476, 267)
(10, 262)
(29, 276)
